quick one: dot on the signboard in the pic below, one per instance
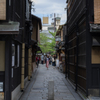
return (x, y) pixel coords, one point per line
(2, 9)
(1, 86)
(45, 20)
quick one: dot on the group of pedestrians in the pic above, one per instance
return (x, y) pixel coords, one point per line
(46, 60)
(49, 60)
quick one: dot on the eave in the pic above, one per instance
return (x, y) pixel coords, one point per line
(10, 28)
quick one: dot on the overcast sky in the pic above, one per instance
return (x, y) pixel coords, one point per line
(47, 7)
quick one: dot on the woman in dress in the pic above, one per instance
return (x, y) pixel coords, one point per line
(47, 62)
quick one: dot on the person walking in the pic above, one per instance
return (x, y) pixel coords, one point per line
(39, 59)
(53, 62)
(36, 61)
(45, 58)
(47, 62)
(50, 59)
(42, 59)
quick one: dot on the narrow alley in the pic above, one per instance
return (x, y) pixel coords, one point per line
(64, 33)
(38, 87)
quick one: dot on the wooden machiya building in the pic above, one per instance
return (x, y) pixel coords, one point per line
(60, 46)
(35, 39)
(83, 45)
(16, 28)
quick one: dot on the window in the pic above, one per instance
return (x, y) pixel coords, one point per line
(15, 55)
(18, 55)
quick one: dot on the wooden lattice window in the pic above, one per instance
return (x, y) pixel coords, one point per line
(2, 9)
(97, 11)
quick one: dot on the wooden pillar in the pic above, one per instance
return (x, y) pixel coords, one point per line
(22, 68)
(29, 64)
(8, 61)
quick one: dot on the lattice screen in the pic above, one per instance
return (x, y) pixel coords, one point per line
(97, 11)
(2, 9)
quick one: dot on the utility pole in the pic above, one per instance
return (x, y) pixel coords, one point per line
(54, 18)
(54, 22)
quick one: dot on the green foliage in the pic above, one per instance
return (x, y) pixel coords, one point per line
(47, 44)
(38, 51)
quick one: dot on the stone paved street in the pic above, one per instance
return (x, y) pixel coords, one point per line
(38, 88)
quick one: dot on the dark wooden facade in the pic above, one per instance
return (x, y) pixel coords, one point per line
(16, 11)
(83, 67)
(60, 46)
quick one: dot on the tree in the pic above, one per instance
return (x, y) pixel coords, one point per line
(47, 44)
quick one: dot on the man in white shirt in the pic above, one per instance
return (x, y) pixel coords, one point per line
(42, 59)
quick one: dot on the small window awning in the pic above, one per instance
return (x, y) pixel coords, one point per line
(36, 47)
(9, 28)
